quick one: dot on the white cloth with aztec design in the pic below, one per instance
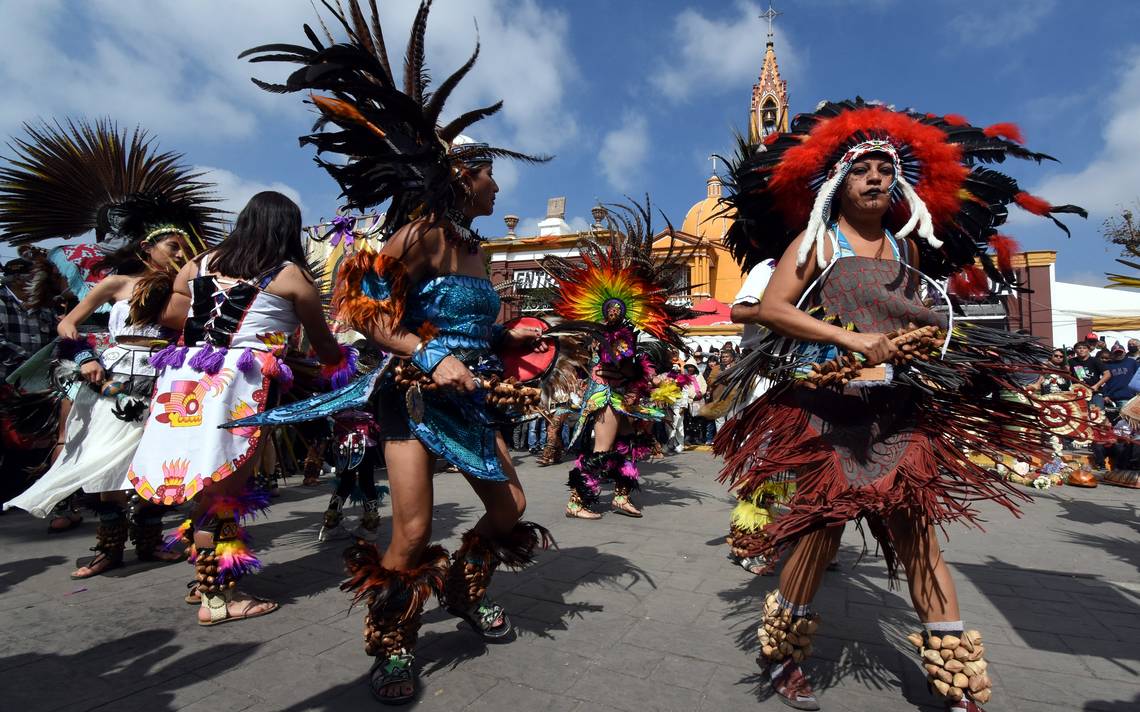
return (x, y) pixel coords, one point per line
(183, 450)
(98, 445)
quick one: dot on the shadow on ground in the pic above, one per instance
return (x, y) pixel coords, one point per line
(147, 666)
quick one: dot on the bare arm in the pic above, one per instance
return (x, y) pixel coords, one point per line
(295, 285)
(178, 306)
(746, 313)
(419, 247)
(99, 295)
(777, 311)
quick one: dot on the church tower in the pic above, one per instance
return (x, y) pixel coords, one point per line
(769, 111)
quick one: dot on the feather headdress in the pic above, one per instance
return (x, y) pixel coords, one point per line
(68, 180)
(621, 282)
(390, 136)
(944, 192)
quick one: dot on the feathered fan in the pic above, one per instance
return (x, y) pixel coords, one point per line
(65, 181)
(627, 271)
(391, 138)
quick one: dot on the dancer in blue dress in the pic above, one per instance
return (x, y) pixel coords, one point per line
(425, 299)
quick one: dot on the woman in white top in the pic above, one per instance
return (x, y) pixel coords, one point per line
(238, 306)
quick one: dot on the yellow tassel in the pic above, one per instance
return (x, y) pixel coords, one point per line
(667, 393)
(749, 517)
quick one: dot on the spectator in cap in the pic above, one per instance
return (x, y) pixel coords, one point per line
(1120, 368)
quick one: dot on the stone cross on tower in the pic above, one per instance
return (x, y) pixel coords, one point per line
(770, 15)
(769, 111)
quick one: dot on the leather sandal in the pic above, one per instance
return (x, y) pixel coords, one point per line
(482, 619)
(577, 510)
(791, 686)
(621, 504)
(219, 608)
(107, 561)
(396, 669)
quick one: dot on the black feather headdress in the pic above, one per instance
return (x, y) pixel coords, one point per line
(389, 137)
(945, 192)
(68, 180)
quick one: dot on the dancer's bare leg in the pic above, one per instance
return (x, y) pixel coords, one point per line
(505, 502)
(803, 572)
(607, 425)
(412, 493)
(931, 586)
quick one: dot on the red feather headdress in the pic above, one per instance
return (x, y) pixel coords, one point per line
(775, 187)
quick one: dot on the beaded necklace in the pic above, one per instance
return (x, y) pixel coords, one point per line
(459, 231)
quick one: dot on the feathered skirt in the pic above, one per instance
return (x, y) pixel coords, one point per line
(871, 451)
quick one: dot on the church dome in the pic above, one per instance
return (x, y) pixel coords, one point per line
(705, 218)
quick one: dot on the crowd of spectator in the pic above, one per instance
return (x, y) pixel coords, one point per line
(1111, 374)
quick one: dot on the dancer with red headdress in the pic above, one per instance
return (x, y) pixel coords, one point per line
(877, 390)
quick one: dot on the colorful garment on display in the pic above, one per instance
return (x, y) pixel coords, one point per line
(232, 351)
(867, 443)
(619, 289)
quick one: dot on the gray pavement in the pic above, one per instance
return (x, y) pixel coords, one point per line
(626, 615)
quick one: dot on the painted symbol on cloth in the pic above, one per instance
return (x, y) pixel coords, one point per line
(182, 404)
(239, 411)
(173, 481)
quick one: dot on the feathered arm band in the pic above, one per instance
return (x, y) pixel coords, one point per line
(340, 373)
(370, 287)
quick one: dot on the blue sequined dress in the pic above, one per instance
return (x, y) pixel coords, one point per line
(454, 314)
(460, 428)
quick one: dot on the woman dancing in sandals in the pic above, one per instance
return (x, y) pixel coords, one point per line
(425, 298)
(156, 216)
(238, 305)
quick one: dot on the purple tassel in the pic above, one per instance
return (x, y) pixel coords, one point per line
(198, 360)
(161, 359)
(208, 360)
(172, 356)
(246, 362)
(179, 357)
(285, 376)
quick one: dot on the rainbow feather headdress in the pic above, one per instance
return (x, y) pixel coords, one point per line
(619, 285)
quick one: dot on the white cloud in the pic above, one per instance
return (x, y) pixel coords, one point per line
(234, 191)
(1112, 178)
(172, 66)
(711, 54)
(989, 25)
(624, 151)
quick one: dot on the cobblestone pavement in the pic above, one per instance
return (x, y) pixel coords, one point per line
(626, 615)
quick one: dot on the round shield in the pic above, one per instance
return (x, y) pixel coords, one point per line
(1061, 416)
(525, 364)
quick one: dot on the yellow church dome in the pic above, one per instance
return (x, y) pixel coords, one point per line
(707, 217)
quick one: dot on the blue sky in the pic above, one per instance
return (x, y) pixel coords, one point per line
(631, 96)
